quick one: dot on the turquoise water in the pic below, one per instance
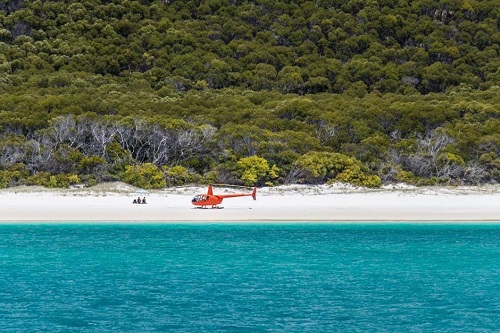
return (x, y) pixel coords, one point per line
(250, 278)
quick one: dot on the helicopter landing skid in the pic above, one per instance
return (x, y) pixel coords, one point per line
(205, 207)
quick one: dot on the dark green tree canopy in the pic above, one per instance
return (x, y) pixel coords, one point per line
(289, 46)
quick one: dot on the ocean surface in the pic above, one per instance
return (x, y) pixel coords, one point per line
(298, 277)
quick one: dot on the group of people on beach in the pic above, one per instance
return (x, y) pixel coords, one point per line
(139, 201)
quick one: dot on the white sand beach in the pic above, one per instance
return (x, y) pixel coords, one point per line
(336, 203)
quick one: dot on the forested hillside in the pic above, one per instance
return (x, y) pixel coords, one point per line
(162, 93)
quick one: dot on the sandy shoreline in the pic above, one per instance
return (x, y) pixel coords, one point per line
(284, 204)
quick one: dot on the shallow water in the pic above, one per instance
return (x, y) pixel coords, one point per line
(250, 278)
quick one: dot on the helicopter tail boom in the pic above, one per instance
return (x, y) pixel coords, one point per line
(253, 195)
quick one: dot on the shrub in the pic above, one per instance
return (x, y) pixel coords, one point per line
(255, 170)
(179, 175)
(146, 176)
(53, 181)
(321, 167)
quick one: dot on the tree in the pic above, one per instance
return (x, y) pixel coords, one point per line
(290, 79)
(262, 77)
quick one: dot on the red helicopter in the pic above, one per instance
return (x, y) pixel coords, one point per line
(211, 199)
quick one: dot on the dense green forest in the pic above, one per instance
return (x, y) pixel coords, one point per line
(168, 92)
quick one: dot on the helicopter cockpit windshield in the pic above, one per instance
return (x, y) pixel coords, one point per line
(199, 197)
